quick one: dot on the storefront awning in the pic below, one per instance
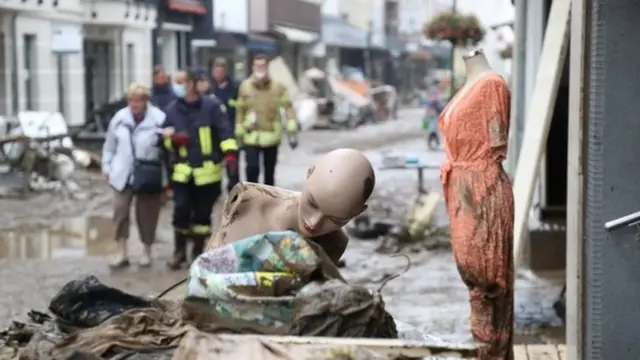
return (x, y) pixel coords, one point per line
(339, 32)
(261, 43)
(297, 35)
(187, 6)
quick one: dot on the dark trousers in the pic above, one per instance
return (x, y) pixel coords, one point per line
(192, 207)
(269, 160)
(232, 179)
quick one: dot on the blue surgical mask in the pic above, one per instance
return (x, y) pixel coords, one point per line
(179, 90)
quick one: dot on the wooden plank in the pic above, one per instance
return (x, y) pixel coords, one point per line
(542, 352)
(538, 119)
(394, 347)
(520, 352)
(578, 107)
(562, 352)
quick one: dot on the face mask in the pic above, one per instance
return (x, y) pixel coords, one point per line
(259, 75)
(179, 90)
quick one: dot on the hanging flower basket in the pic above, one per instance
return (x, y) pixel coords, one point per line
(456, 28)
(507, 52)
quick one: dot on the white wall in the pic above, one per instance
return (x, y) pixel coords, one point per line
(361, 12)
(46, 92)
(331, 7)
(413, 14)
(169, 50)
(231, 15)
(377, 23)
(358, 12)
(140, 38)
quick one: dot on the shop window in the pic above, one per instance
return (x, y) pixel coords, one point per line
(29, 70)
(182, 49)
(131, 64)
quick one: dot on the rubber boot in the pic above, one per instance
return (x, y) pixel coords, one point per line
(198, 246)
(179, 251)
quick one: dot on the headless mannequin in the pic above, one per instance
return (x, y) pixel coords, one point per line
(479, 201)
(336, 190)
(477, 67)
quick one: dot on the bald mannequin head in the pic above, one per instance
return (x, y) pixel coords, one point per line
(337, 189)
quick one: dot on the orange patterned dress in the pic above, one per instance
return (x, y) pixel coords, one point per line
(479, 200)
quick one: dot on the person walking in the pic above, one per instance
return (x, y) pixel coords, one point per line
(131, 162)
(161, 93)
(202, 83)
(226, 90)
(199, 140)
(261, 100)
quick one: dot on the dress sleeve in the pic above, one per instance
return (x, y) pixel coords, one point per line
(499, 112)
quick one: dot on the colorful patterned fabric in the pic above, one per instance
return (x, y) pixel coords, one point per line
(255, 278)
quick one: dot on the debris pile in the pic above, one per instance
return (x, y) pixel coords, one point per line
(336, 99)
(38, 154)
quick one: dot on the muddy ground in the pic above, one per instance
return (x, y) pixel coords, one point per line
(49, 239)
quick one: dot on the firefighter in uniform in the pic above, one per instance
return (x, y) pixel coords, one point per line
(198, 139)
(259, 123)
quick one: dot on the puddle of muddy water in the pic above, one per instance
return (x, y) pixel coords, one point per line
(71, 238)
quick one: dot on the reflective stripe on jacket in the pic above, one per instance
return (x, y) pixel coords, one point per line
(210, 137)
(259, 112)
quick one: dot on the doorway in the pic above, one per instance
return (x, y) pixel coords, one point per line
(97, 75)
(30, 72)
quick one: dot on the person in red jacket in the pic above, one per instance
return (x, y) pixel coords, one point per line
(199, 141)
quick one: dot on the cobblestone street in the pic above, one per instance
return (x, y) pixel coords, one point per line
(64, 239)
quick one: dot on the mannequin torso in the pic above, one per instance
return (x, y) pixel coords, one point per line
(337, 189)
(477, 67)
(256, 208)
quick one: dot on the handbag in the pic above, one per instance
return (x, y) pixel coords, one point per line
(147, 174)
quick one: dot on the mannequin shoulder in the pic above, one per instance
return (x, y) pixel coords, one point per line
(245, 192)
(495, 80)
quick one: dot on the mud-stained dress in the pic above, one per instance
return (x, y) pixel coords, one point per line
(479, 200)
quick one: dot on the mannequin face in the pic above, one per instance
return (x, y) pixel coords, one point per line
(336, 190)
(316, 218)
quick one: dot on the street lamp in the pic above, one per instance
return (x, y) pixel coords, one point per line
(452, 86)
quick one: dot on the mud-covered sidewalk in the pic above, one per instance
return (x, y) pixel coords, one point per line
(47, 240)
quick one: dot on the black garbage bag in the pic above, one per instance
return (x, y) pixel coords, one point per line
(86, 302)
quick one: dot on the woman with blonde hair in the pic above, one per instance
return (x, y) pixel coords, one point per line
(131, 162)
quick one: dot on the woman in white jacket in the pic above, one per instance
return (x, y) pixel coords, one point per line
(133, 136)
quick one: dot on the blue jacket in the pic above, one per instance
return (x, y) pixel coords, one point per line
(162, 96)
(206, 112)
(228, 95)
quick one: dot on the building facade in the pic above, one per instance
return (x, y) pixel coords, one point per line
(295, 24)
(225, 33)
(172, 36)
(72, 56)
